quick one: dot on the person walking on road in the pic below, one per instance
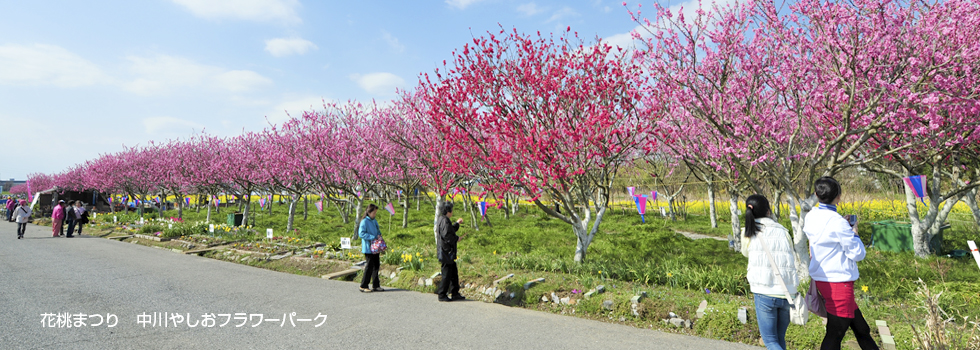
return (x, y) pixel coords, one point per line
(58, 218)
(446, 248)
(11, 204)
(762, 233)
(835, 249)
(82, 215)
(23, 215)
(369, 231)
(70, 218)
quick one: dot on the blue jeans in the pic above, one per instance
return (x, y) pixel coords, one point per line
(772, 315)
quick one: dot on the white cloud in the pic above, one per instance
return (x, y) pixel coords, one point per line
(565, 12)
(379, 83)
(461, 4)
(294, 108)
(529, 9)
(170, 126)
(688, 9)
(46, 65)
(393, 41)
(280, 47)
(251, 10)
(623, 40)
(162, 74)
(240, 80)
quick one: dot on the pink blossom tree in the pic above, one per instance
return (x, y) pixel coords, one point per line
(548, 115)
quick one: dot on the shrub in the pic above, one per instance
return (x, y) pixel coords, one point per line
(720, 321)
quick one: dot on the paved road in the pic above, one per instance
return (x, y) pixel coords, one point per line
(87, 275)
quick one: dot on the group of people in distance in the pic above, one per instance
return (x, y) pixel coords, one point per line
(835, 249)
(447, 239)
(19, 212)
(73, 214)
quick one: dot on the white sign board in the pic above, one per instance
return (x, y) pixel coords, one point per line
(268, 233)
(211, 228)
(345, 243)
(170, 225)
(115, 219)
(973, 249)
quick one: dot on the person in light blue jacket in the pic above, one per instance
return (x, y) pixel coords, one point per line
(369, 231)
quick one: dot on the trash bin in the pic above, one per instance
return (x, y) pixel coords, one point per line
(895, 236)
(235, 219)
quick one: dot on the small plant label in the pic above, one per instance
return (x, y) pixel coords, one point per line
(170, 225)
(344, 242)
(268, 233)
(115, 219)
(211, 228)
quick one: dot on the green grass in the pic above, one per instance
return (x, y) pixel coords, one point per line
(627, 256)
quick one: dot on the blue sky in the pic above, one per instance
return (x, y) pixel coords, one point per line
(81, 78)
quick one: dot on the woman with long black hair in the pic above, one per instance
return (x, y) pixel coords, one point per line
(763, 234)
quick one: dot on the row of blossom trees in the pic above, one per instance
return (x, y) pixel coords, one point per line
(751, 97)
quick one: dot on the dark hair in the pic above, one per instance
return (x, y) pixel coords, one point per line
(447, 208)
(371, 208)
(756, 206)
(826, 189)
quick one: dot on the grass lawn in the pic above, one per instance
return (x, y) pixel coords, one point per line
(629, 257)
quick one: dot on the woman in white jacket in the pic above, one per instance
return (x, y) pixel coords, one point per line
(23, 214)
(835, 250)
(771, 306)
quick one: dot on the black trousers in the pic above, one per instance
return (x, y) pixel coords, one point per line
(450, 280)
(837, 328)
(71, 228)
(21, 228)
(371, 271)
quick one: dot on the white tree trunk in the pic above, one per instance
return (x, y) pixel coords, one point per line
(404, 204)
(712, 211)
(582, 241)
(245, 209)
(435, 219)
(292, 213)
(800, 242)
(971, 201)
(925, 228)
(736, 236)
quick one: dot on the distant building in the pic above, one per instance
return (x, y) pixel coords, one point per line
(6, 185)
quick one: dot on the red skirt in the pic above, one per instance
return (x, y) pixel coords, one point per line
(839, 297)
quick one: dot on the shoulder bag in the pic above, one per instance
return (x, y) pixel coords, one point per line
(798, 313)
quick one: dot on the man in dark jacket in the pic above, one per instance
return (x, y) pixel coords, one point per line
(446, 250)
